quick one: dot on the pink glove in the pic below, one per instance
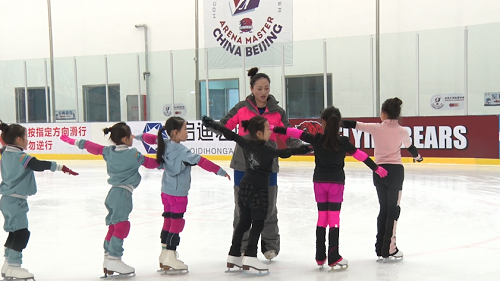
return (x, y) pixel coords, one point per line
(381, 172)
(271, 127)
(67, 139)
(67, 170)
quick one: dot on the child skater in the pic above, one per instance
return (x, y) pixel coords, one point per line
(122, 165)
(176, 160)
(254, 187)
(329, 178)
(18, 182)
(388, 137)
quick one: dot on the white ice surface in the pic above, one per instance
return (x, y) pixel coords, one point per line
(449, 228)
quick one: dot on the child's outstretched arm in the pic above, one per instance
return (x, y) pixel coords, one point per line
(294, 133)
(147, 138)
(91, 147)
(150, 163)
(40, 165)
(210, 166)
(363, 157)
(287, 152)
(228, 134)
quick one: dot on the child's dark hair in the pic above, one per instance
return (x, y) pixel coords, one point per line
(172, 123)
(332, 117)
(254, 125)
(254, 76)
(11, 132)
(118, 132)
(392, 107)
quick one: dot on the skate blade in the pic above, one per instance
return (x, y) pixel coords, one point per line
(172, 271)
(18, 279)
(338, 267)
(391, 259)
(257, 272)
(118, 276)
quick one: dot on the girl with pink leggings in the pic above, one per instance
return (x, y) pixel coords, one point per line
(176, 160)
(330, 150)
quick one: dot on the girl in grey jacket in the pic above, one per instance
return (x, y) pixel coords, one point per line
(176, 160)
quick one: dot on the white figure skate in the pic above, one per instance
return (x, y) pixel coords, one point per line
(162, 257)
(232, 262)
(321, 264)
(397, 256)
(116, 265)
(341, 264)
(18, 273)
(254, 263)
(269, 255)
(4, 267)
(105, 263)
(172, 265)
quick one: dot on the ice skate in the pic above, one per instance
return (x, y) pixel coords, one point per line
(105, 264)
(116, 265)
(172, 265)
(396, 256)
(321, 264)
(4, 267)
(341, 264)
(269, 255)
(254, 263)
(18, 273)
(162, 256)
(233, 262)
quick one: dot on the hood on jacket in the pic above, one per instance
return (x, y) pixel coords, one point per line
(174, 157)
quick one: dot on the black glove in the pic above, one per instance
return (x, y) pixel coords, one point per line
(280, 130)
(207, 121)
(305, 148)
(418, 159)
(348, 123)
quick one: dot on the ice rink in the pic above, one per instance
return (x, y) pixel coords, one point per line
(449, 228)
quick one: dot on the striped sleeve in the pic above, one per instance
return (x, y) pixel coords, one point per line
(25, 159)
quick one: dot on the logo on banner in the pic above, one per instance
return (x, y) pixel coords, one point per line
(153, 128)
(247, 27)
(241, 6)
(312, 127)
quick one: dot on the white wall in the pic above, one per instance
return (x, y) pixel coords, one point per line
(95, 27)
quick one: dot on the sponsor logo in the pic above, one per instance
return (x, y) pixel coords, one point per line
(152, 128)
(241, 6)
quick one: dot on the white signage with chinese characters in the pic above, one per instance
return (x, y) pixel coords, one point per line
(45, 138)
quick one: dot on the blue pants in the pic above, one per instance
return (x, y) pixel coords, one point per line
(15, 214)
(119, 205)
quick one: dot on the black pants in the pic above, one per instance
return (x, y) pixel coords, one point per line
(389, 194)
(251, 215)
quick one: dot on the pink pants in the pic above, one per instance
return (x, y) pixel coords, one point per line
(328, 192)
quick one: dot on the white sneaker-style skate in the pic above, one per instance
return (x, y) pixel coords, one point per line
(116, 265)
(18, 273)
(254, 263)
(396, 256)
(339, 265)
(4, 267)
(232, 262)
(172, 265)
(269, 255)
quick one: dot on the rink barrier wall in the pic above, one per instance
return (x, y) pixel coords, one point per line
(439, 139)
(306, 158)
